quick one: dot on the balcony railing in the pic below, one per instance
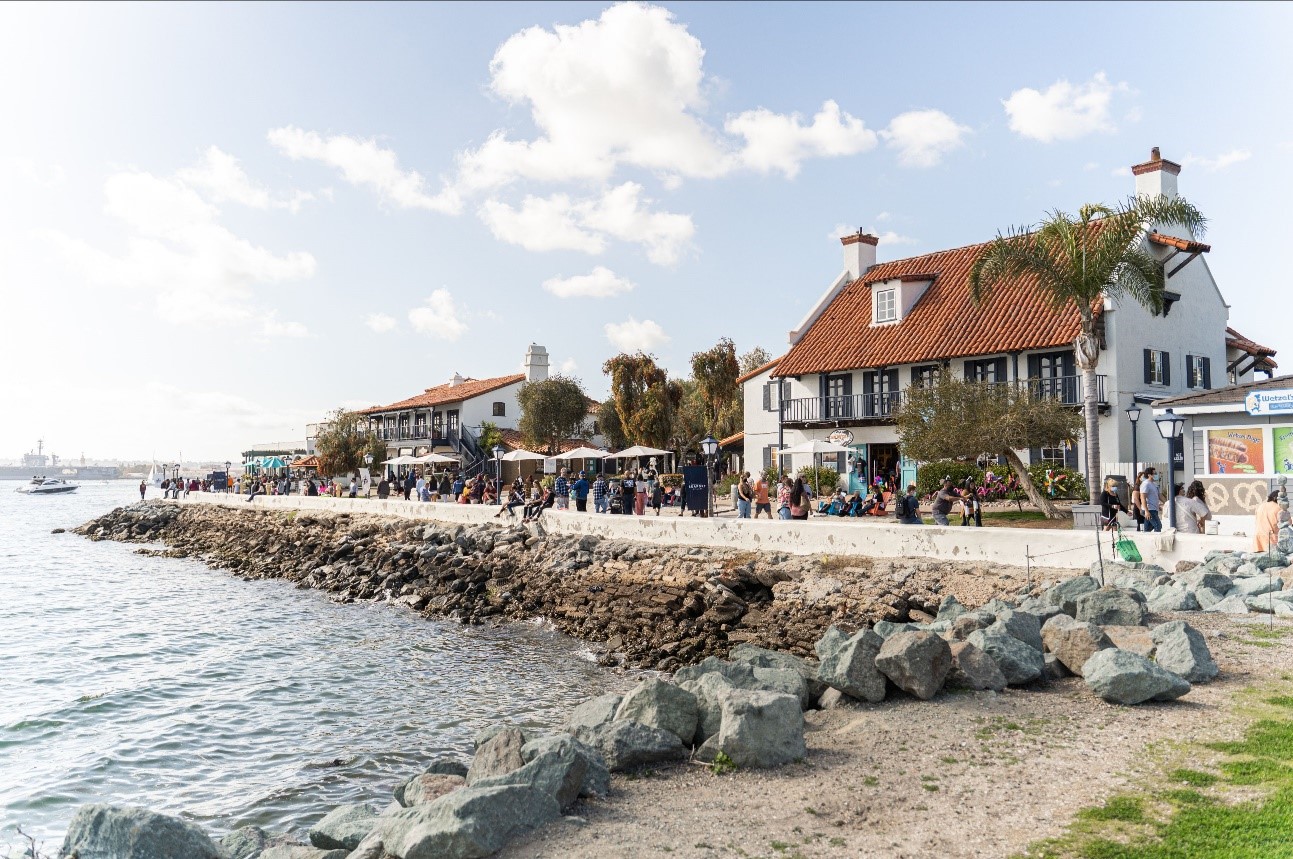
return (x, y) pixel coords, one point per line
(880, 407)
(417, 432)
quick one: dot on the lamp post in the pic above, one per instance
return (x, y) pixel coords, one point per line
(368, 484)
(228, 478)
(1133, 415)
(1170, 427)
(498, 473)
(709, 447)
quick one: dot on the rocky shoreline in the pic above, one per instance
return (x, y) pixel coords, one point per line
(646, 606)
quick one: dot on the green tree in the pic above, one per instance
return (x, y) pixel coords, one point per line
(343, 442)
(552, 410)
(754, 359)
(957, 418)
(608, 421)
(490, 436)
(644, 398)
(1078, 262)
(715, 372)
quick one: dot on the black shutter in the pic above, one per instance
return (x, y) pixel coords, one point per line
(767, 396)
(1189, 371)
(839, 462)
(1070, 457)
(1149, 369)
(893, 381)
(868, 383)
(767, 456)
(969, 370)
(1207, 372)
(1167, 368)
(785, 391)
(999, 370)
(1034, 366)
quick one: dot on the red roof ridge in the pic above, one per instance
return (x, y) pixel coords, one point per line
(757, 370)
(449, 393)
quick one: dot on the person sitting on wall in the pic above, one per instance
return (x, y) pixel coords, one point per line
(535, 509)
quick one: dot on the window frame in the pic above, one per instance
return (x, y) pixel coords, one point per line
(1157, 367)
(883, 296)
(499, 409)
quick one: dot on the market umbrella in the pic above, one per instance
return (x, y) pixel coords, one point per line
(272, 462)
(433, 458)
(815, 447)
(636, 451)
(583, 453)
(519, 454)
(401, 460)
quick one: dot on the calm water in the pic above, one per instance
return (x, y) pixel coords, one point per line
(159, 682)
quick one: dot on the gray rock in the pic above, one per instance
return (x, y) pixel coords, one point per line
(1201, 577)
(466, 824)
(558, 771)
(426, 788)
(1167, 598)
(1229, 605)
(973, 669)
(300, 851)
(782, 681)
(968, 623)
(1283, 609)
(1123, 677)
(1265, 603)
(1266, 560)
(661, 705)
(995, 606)
(832, 640)
(917, 662)
(833, 699)
(708, 690)
(950, 609)
(343, 827)
(247, 842)
(738, 672)
(1018, 662)
(886, 628)
(628, 745)
(1042, 611)
(760, 729)
(597, 777)
(1255, 586)
(1208, 597)
(1065, 594)
(762, 657)
(594, 712)
(1134, 638)
(851, 668)
(1180, 649)
(445, 765)
(126, 832)
(498, 755)
(1054, 669)
(1022, 625)
(1074, 642)
(1111, 606)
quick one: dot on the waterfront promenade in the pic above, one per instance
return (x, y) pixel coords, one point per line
(1066, 549)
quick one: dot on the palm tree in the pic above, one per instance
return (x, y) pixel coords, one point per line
(1080, 262)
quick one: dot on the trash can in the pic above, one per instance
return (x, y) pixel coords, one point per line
(1086, 517)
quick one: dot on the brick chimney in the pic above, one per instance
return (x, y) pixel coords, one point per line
(1156, 176)
(859, 252)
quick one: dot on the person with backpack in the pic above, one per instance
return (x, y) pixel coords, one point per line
(907, 508)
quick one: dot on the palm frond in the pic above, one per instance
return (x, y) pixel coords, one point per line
(1167, 210)
(1020, 254)
(1140, 276)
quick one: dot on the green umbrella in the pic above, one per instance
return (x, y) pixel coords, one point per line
(272, 462)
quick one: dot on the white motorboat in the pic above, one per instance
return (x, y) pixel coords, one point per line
(47, 486)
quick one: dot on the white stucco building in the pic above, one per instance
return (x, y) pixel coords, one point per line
(883, 326)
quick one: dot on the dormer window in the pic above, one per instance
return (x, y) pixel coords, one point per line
(886, 305)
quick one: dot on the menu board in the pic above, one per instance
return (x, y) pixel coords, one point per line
(1282, 449)
(1235, 451)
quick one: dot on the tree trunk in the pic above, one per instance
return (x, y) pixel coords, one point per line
(1086, 350)
(1030, 489)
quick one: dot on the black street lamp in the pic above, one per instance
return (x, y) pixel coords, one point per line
(498, 473)
(1133, 415)
(368, 464)
(709, 447)
(228, 478)
(1170, 427)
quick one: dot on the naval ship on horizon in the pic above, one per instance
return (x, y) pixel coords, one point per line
(41, 464)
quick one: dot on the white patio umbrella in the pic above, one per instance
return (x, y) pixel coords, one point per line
(431, 458)
(519, 454)
(815, 447)
(636, 451)
(401, 460)
(583, 453)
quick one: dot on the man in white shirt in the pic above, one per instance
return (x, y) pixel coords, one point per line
(1191, 510)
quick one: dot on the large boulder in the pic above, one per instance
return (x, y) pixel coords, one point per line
(597, 777)
(1018, 662)
(709, 691)
(426, 788)
(974, 669)
(968, 623)
(917, 662)
(1065, 593)
(950, 609)
(1134, 638)
(661, 705)
(593, 712)
(558, 771)
(1229, 605)
(1106, 606)
(126, 832)
(466, 824)
(1073, 642)
(759, 729)
(832, 640)
(246, 842)
(301, 851)
(628, 745)
(1022, 625)
(499, 754)
(1202, 577)
(886, 628)
(1180, 649)
(1122, 677)
(851, 667)
(1255, 586)
(1168, 598)
(1208, 597)
(343, 827)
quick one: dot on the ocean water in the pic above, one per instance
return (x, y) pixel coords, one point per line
(162, 683)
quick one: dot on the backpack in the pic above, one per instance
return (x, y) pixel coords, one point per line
(900, 509)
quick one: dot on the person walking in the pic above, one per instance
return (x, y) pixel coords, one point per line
(143, 488)
(783, 498)
(600, 504)
(744, 496)
(561, 486)
(640, 494)
(943, 501)
(420, 488)
(1152, 499)
(800, 500)
(1138, 502)
(908, 507)
(581, 493)
(971, 509)
(354, 487)
(628, 493)
(1266, 532)
(1110, 505)
(761, 503)
(1192, 510)
(384, 489)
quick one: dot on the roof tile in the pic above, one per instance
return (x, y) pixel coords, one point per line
(447, 393)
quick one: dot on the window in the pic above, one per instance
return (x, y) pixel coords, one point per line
(1052, 454)
(770, 398)
(1157, 368)
(1198, 371)
(839, 391)
(500, 410)
(926, 376)
(989, 370)
(768, 456)
(886, 305)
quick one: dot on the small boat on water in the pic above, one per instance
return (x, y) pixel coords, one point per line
(47, 486)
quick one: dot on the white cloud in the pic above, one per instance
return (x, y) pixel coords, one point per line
(775, 141)
(600, 283)
(438, 317)
(1065, 110)
(197, 270)
(559, 222)
(1120, 172)
(634, 336)
(1221, 162)
(270, 326)
(365, 164)
(222, 179)
(26, 170)
(923, 137)
(883, 216)
(380, 322)
(568, 367)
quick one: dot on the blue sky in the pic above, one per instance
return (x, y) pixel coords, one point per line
(219, 221)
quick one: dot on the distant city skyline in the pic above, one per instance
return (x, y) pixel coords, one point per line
(219, 222)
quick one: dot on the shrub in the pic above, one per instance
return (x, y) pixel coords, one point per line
(1066, 482)
(827, 477)
(929, 476)
(671, 480)
(1003, 483)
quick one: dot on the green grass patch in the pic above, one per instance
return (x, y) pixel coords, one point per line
(1281, 701)
(1193, 777)
(1128, 809)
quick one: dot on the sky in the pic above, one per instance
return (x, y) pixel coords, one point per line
(220, 221)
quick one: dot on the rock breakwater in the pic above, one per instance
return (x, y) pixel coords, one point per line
(648, 606)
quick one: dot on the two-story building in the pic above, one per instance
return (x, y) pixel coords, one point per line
(881, 327)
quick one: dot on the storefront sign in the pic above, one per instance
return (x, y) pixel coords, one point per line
(842, 437)
(1235, 451)
(1282, 449)
(1268, 402)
